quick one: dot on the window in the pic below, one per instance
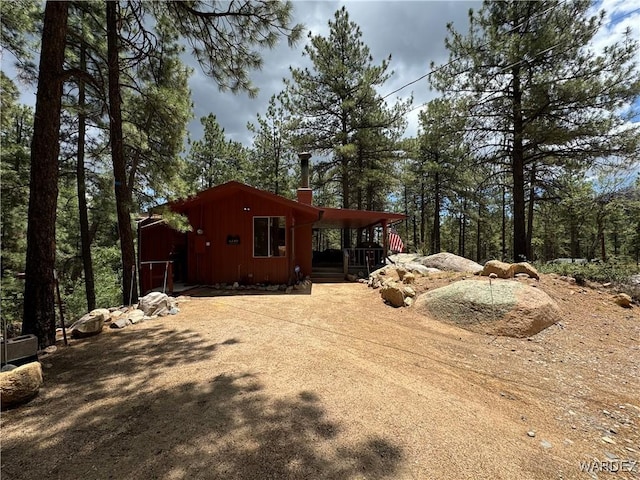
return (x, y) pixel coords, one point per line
(269, 236)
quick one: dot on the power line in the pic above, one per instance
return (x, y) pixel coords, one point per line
(440, 67)
(502, 70)
(513, 29)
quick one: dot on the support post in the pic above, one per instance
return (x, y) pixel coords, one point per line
(385, 240)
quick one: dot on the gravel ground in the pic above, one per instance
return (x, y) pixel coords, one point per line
(336, 385)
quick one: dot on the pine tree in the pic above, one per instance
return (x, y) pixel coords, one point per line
(539, 95)
(20, 21)
(15, 138)
(222, 34)
(273, 155)
(215, 159)
(336, 103)
(39, 315)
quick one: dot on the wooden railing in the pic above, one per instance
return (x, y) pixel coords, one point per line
(156, 274)
(366, 259)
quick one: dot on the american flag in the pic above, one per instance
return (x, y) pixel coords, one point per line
(395, 242)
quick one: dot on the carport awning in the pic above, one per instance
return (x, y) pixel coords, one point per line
(345, 218)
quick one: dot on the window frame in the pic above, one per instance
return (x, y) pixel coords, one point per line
(269, 236)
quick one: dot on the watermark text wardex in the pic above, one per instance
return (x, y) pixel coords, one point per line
(612, 466)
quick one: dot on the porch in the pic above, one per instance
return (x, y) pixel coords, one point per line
(334, 254)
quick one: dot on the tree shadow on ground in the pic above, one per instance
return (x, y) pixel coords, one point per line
(107, 412)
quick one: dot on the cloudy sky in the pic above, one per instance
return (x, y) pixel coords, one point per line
(413, 32)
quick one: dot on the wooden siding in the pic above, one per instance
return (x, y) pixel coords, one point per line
(219, 249)
(212, 260)
(160, 243)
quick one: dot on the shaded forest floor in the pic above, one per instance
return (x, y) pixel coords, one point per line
(337, 385)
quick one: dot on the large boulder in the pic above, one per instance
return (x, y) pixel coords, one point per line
(414, 267)
(90, 324)
(525, 268)
(450, 263)
(403, 257)
(20, 384)
(501, 307)
(500, 269)
(156, 303)
(509, 270)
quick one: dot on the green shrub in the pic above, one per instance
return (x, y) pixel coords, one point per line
(108, 284)
(616, 271)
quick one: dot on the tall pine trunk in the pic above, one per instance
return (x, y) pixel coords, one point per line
(517, 170)
(346, 200)
(478, 233)
(85, 236)
(423, 213)
(39, 307)
(530, 209)
(435, 233)
(122, 190)
(503, 231)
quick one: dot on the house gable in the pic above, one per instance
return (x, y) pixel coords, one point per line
(221, 244)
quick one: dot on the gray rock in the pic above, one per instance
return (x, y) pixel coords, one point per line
(531, 433)
(546, 444)
(408, 291)
(450, 263)
(156, 303)
(88, 325)
(403, 257)
(135, 316)
(504, 307)
(120, 323)
(414, 268)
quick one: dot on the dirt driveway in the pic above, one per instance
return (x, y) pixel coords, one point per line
(335, 385)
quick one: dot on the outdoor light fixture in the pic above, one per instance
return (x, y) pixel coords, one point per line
(246, 209)
(199, 231)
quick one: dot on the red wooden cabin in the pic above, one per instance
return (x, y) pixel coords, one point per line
(241, 234)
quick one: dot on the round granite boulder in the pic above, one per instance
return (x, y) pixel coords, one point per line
(500, 307)
(450, 263)
(20, 385)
